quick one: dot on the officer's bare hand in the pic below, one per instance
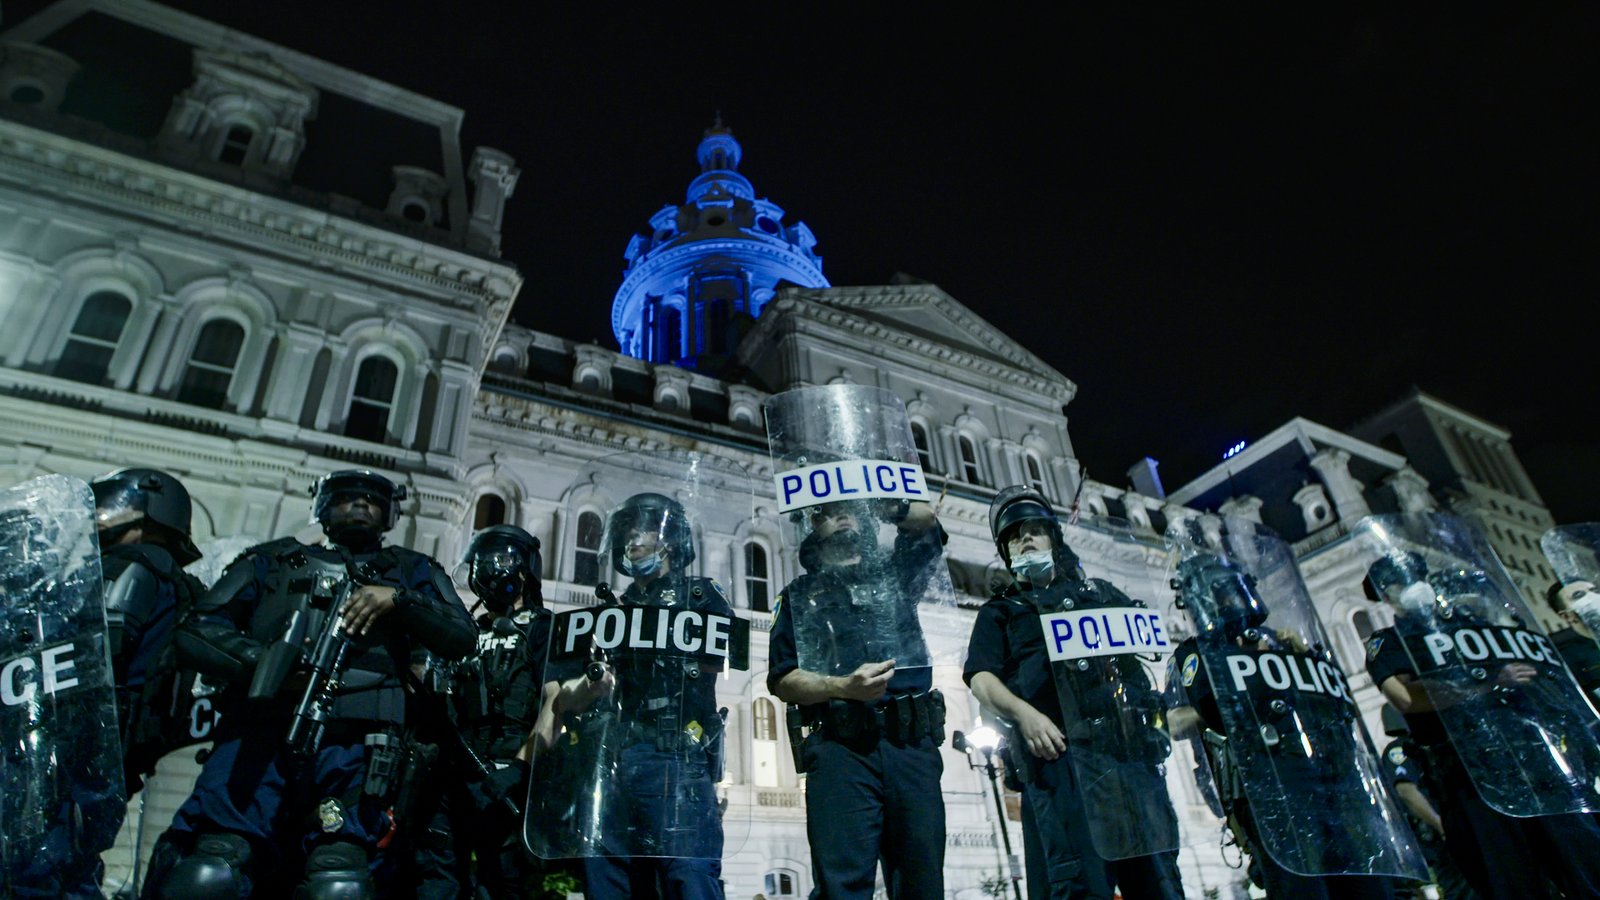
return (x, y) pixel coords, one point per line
(1043, 738)
(1516, 675)
(866, 683)
(366, 605)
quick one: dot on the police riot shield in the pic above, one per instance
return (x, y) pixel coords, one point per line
(646, 668)
(61, 790)
(1295, 766)
(1574, 553)
(874, 585)
(1106, 638)
(1515, 715)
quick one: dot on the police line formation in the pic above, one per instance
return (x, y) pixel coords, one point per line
(374, 735)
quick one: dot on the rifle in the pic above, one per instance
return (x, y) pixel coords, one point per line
(328, 660)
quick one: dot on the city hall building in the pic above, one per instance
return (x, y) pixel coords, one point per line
(248, 267)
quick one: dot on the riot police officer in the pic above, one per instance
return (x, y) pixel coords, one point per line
(1404, 772)
(492, 702)
(142, 516)
(1500, 856)
(873, 746)
(1068, 722)
(312, 766)
(1577, 642)
(1299, 735)
(659, 833)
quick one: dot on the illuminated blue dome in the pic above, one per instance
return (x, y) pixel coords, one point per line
(708, 267)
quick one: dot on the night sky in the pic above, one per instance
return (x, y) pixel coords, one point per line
(1210, 221)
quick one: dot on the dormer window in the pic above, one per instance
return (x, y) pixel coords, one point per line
(29, 94)
(236, 145)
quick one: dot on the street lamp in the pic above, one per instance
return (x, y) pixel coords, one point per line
(984, 740)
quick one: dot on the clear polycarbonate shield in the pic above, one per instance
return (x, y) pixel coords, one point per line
(1514, 713)
(647, 668)
(1293, 749)
(874, 584)
(1574, 553)
(61, 790)
(1107, 638)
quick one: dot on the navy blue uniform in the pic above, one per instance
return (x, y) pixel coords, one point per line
(873, 791)
(1008, 643)
(252, 786)
(1582, 656)
(1402, 764)
(1274, 878)
(669, 704)
(1499, 855)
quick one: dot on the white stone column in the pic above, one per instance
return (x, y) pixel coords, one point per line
(452, 409)
(1411, 489)
(298, 344)
(132, 347)
(1138, 515)
(24, 313)
(1333, 466)
(1244, 506)
(336, 389)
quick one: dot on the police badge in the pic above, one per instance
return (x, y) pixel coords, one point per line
(331, 815)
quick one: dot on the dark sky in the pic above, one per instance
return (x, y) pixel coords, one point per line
(1211, 222)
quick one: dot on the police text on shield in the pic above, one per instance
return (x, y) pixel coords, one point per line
(1103, 632)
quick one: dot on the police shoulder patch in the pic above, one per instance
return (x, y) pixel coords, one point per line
(1397, 755)
(1191, 668)
(777, 603)
(1373, 645)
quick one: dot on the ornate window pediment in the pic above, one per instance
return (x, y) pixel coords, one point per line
(243, 109)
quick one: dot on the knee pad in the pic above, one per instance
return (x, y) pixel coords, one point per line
(337, 871)
(215, 870)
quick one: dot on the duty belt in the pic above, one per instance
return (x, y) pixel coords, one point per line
(901, 718)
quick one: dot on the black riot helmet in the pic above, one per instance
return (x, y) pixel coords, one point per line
(1219, 595)
(649, 515)
(127, 497)
(503, 565)
(1393, 571)
(1016, 505)
(336, 487)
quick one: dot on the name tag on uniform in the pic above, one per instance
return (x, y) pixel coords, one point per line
(630, 630)
(1108, 631)
(857, 479)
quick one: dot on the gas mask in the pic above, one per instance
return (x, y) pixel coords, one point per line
(497, 579)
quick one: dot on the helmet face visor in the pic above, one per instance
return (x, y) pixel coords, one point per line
(341, 488)
(118, 503)
(643, 537)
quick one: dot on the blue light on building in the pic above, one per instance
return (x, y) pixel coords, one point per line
(709, 265)
(1235, 450)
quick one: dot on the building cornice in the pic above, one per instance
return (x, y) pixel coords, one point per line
(42, 163)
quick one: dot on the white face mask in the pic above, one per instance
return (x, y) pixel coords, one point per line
(643, 568)
(1417, 597)
(1034, 567)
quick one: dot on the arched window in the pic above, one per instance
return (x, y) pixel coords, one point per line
(1035, 472)
(919, 437)
(372, 400)
(491, 511)
(766, 720)
(87, 354)
(586, 556)
(1362, 620)
(235, 144)
(780, 883)
(210, 370)
(765, 756)
(757, 581)
(969, 460)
